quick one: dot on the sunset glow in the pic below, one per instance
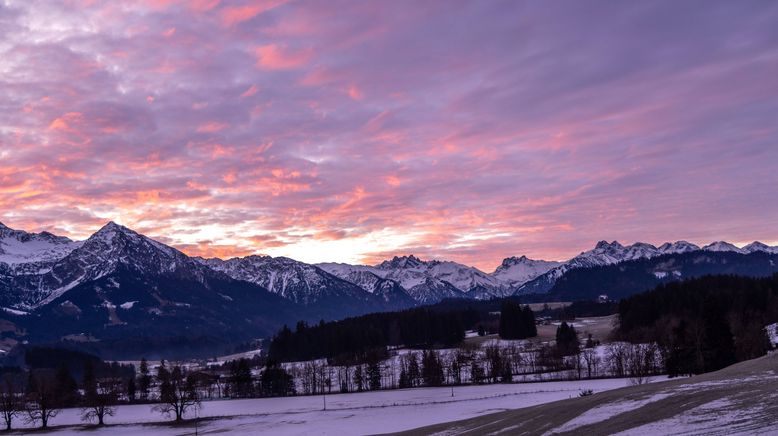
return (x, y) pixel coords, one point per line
(351, 131)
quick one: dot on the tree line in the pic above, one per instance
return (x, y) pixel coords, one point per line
(516, 322)
(49, 383)
(441, 325)
(703, 324)
(350, 338)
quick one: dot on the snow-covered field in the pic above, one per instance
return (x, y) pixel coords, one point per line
(359, 413)
(738, 400)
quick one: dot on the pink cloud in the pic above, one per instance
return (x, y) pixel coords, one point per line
(232, 15)
(212, 127)
(277, 57)
(250, 91)
(527, 134)
(355, 93)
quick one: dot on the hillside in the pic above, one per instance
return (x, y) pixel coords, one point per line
(733, 400)
(634, 276)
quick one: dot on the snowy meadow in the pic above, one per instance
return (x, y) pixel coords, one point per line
(346, 414)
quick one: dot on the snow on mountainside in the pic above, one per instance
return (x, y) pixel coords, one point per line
(722, 246)
(515, 271)
(296, 281)
(35, 268)
(96, 257)
(758, 246)
(677, 247)
(410, 271)
(19, 247)
(609, 253)
(387, 289)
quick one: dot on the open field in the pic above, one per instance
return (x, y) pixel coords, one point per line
(347, 414)
(741, 399)
(551, 305)
(600, 328)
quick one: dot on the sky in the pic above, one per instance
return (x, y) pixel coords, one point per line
(353, 131)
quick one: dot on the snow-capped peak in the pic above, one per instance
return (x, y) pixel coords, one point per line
(513, 260)
(677, 247)
(605, 245)
(722, 246)
(113, 238)
(759, 246)
(19, 248)
(291, 279)
(413, 274)
(409, 261)
(515, 271)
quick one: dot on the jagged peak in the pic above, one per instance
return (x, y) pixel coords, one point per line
(643, 245)
(720, 246)
(605, 244)
(513, 260)
(401, 262)
(111, 226)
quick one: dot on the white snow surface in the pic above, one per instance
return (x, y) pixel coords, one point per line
(605, 412)
(516, 271)
(347, 414)
(20, 247)
(719, 417)
(128, 305)
(772, 333)
(719, 246)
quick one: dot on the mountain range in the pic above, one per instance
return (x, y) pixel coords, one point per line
(119, 285)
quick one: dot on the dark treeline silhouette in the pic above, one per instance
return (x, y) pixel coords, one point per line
(44, 380)
(352, 337)
(580, 309)
(703, 324)
(75, 361)
(567, 340)
(516, 322)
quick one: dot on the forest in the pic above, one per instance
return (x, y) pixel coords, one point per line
(366, 337)
(353, 337)
(703, 324)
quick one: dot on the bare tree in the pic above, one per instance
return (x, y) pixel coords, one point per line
(641, 362)
(617, 356)
(11, 404)
(179, 396)
(100, 400)
(42, 402)
(592, 361)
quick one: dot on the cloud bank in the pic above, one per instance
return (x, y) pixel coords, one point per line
(352, 131)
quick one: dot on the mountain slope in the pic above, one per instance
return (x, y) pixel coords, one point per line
(726, 402)
(388, 290)
(416, 277)
(628, 278)
(120, 288)
(20, 247)
(304, 283)
(515, 271)
(127, 314)
(96, 257)
(611, 253)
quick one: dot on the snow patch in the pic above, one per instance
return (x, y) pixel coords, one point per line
(128, 305)
(605, 412)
